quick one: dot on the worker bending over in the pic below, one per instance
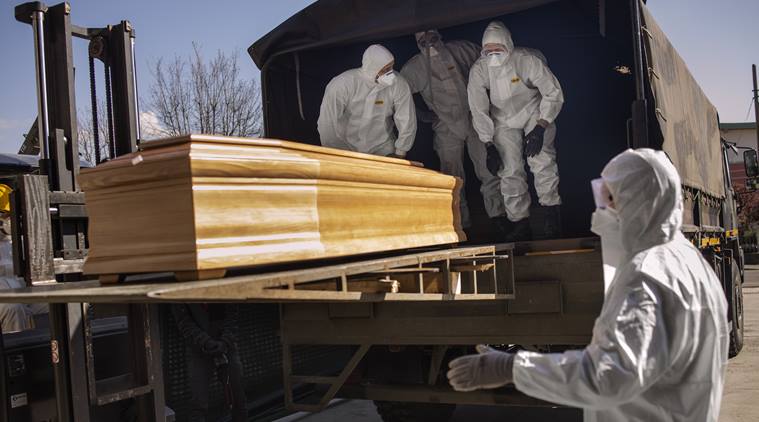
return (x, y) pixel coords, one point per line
(515, 98)
(660, 345)
(362, 108)
(440, 73)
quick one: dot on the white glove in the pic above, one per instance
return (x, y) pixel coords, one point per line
(489, 368)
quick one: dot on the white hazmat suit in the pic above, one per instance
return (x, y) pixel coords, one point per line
(660, 345)
(506, 101)
(440, 74)
(359, 113)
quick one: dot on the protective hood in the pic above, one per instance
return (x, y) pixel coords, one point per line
(420, 34)
(375, 58)
(647, 195)
(497, 33)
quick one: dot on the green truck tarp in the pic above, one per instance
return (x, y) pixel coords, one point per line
(688, 120)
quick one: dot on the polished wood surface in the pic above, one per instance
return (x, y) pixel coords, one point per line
(201, 202)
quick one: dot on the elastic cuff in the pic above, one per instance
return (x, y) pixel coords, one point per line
(400, 153)
(548, 122)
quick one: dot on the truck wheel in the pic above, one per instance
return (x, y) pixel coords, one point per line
(736, 312)
(391, 411)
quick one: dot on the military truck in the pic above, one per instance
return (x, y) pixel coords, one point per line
(625, 87)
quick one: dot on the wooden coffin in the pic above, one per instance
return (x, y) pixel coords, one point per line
(201, 202)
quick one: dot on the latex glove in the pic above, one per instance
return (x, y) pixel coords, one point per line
(489, 368)
(533, 142)
(493, 160)
(213, 347)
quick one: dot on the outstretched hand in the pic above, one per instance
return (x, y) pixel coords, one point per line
(489, 368)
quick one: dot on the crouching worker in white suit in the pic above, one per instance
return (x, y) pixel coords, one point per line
(515, 99)
(363, 108)
(660, 345)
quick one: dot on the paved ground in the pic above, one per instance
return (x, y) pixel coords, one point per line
(740, 402)
(364, 411)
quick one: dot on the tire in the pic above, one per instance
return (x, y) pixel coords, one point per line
(736, 312)
(414, 412)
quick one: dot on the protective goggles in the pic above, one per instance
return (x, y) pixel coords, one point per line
(601, 193)
(429, 39)
(492, 51)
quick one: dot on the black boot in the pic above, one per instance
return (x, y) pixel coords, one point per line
(552, 222)
(520, 231)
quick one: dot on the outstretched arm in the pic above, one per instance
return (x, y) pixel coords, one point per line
(333, 106)
(404, 117)
(479, 103)
(628, 354)
(540, 76)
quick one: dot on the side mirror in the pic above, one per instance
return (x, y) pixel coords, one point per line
(751, 185)
(751, 163)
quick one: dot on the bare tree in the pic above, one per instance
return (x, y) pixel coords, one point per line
(192, 95)
(86, 133)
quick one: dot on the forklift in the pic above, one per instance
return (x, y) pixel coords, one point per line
(49, 239)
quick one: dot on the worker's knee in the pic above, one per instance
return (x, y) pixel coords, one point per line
(450, 151)
(543, 166)
(512, 173)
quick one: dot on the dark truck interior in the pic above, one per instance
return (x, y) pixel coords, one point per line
(588, 47)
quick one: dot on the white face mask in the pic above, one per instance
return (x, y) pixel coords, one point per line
(605, 223)
(433, 52)
(496, 58)
(387, 79)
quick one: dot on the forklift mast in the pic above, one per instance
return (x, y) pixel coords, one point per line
(50, 220)
(57, 134)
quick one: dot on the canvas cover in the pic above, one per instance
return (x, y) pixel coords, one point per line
(318, 24)
(688, 120)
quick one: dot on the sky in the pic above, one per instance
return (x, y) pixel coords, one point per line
(718, 41)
